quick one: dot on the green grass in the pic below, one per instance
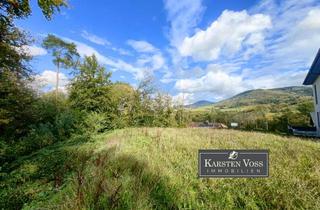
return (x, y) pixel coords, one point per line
(156, 168)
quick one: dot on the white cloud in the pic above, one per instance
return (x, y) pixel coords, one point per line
(142, 46)
(157, 61)
(101, 41)
(286, 51)
(47, 79)
(183, 17)
(217, 84)
(145, 64)
(121, 51)
(94, 38)
(167, 77)
(292, 42)
(117, 64)
(215, 81)
(227, 35)
(34, 50)
(286, 79)
(183, 99)
(152, 62)
(301, 42)
(149, 59)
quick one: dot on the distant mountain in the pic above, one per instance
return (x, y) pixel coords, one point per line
(287, 95)
(199, 104)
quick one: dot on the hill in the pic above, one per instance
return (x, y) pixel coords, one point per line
(156, 168)
(286, 95)
(199, 104)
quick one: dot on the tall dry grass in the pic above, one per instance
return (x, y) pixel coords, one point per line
(156, 168)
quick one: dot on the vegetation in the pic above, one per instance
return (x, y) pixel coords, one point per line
(13, 57)
(156, 168)
(94, 148)
(286, 95)
(264, 110)
(65, 54)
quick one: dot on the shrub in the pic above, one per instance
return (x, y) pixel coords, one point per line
(66, 123)
(39, 137)
(95, 122)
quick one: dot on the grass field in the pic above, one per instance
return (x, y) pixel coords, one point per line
(156, 168)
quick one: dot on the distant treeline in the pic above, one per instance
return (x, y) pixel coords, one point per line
(274, 118)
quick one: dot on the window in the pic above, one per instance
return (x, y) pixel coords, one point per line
(316, 93)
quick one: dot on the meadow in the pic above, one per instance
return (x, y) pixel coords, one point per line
(99, 143)
(156, 168)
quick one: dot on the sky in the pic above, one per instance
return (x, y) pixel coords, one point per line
(194, 49)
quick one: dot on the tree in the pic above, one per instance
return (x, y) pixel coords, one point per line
(16, 105)
(65, 54)
(90, 87)
(141, 112)
(305, 107)
(17, 99)
(12, 39)
(163, 110)
(122, 97)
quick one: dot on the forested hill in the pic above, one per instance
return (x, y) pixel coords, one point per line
(199, 104)
(286, 95)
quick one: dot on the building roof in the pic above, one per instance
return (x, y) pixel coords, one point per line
(314, 71)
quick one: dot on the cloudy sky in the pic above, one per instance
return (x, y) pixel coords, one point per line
(195, 49)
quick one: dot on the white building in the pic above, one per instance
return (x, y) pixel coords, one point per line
(313, 78)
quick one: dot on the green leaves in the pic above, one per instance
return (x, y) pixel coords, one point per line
(90, 87)
(22, 9)
(65, 54)
(49, 7)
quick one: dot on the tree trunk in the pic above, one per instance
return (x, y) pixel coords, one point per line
(57, 82)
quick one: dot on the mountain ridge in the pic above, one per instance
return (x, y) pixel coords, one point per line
(199, 103)
(288, 95)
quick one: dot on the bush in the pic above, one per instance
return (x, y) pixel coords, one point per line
(66, 123)
(39, 137)
(95, 122)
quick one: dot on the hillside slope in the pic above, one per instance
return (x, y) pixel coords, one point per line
(286, 95)
(156, 168)
(199, 104)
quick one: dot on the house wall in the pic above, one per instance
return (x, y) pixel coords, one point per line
(316, 101)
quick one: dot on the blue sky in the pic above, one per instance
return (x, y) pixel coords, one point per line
(194, 49)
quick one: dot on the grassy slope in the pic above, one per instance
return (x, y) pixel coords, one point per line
(157, 168)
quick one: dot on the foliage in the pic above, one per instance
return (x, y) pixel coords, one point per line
(22, 9)
(48, 122)
(16, 105)
(47, 160)
(13, 57)
(122, 100)
(65, 54)
(20, 115)
(182, 117)
(265, 110)
(89, 89)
